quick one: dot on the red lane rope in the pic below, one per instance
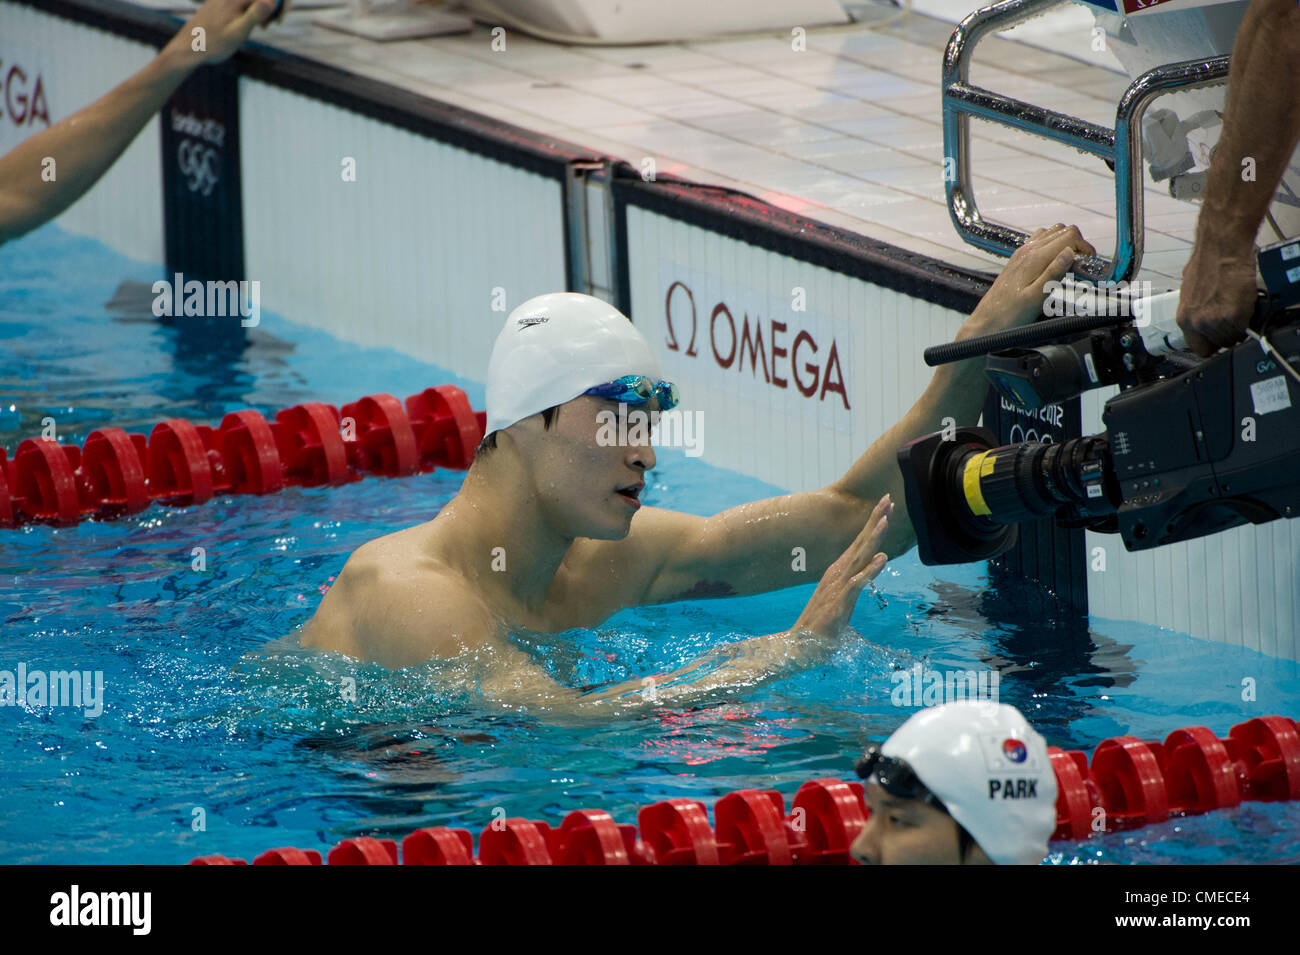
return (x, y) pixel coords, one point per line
(180, 463)
(1129, 782)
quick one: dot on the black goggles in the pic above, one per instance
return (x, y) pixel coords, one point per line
(895, 777)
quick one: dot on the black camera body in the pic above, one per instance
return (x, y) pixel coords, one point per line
(1207, 450)
(1191, 447)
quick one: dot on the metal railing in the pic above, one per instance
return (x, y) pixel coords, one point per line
(1120, 146)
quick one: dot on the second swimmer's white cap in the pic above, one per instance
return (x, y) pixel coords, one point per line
(990, 769)
(553, 348)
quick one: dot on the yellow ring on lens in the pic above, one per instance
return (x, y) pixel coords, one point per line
(977, 467)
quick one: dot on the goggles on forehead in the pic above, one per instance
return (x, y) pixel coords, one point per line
(895, 777)
(637, 390)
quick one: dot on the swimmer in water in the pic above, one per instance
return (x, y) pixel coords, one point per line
(548, 532)
(965, 783)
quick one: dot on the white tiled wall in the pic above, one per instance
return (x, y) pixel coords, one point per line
(412, 253)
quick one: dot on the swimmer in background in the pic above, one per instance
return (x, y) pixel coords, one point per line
(85, 145)
(547, 532)
(966, 783)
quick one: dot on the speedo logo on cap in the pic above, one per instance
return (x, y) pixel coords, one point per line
(533, 320)
(1008, 754)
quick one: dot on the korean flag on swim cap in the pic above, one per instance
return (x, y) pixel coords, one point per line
(1014, 750)
(554, 347)
(990, 768)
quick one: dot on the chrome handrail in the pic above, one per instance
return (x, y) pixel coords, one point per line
(1121, 146)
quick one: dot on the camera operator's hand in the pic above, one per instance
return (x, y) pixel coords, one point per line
(1016, 297)
(1217, 298)
(832, 603)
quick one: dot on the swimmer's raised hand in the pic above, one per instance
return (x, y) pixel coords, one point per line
(828, 611)
(225, 24)
(1016, 296)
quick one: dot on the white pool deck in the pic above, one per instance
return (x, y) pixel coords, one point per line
(846, 132)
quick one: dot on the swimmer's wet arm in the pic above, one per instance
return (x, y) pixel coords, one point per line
(759, 660)
(824, 621)
(755, 547)
(83, 146)
(745, 663)
(790, 540)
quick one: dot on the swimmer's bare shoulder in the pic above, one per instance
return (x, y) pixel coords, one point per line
(395, 606)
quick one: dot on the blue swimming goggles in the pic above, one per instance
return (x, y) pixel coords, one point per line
(637, 390)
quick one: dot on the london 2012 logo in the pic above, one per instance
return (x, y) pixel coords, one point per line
(198, 154)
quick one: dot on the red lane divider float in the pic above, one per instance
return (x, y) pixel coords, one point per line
(6, 496)
(288, 857)
(179, 463)
(1130, 782)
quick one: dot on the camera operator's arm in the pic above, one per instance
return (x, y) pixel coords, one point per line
(1261, 121)
(85, 144)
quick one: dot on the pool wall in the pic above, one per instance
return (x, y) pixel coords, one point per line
(387, 218)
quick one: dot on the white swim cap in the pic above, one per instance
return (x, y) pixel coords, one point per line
(553, 348)
(990, 768)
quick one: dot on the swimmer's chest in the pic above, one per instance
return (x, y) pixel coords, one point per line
(577, 599)
(557, 616)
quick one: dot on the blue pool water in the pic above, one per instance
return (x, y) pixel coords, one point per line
(201, 715)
